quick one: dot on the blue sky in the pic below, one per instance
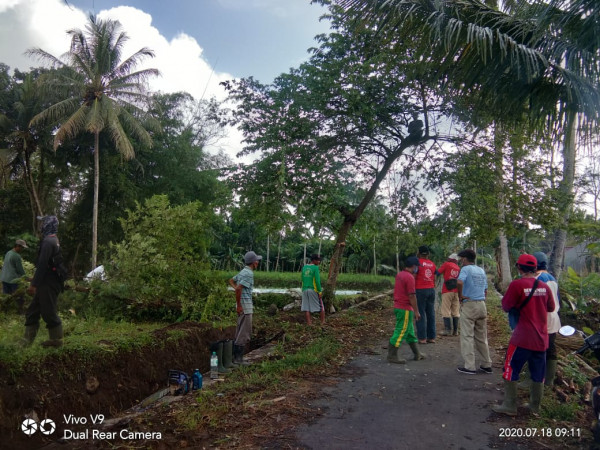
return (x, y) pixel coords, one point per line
(197, 43)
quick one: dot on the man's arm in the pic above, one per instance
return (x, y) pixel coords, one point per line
(459, 289)
(413, 303)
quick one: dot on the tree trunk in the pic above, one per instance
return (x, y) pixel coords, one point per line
(565, 203)
(504, 275)
(95, 208)
(268, 248)
(335, 264)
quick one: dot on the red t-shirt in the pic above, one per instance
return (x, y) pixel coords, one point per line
(449, 270)
(532, 329)
(405, 285)
(425, 275)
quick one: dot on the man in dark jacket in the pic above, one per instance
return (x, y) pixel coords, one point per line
(45, 287)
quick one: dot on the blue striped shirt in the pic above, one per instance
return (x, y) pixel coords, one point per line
(246, 279)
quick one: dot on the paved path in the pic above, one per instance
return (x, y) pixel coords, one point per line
(420, 405)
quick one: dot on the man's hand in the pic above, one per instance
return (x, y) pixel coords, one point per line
(417, 315)
(31, 290)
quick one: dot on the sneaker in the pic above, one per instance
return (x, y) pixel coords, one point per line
(485, 369)
(465, 370)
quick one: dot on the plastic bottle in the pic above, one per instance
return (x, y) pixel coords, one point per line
(196, 380)
(214, 366)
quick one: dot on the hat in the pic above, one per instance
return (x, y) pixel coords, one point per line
(315, 257)
(453, 256)
(412, 261)
(424, 250)
(21, 242)
(251, 257)
(542, 260)
(526, 260)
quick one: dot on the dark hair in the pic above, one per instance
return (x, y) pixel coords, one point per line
(526, 269)
(424, 250)
(469, 254)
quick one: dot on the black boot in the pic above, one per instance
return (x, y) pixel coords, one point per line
(228, 354)
(447, 327)
(238, 355)
(222, 369)
(455, 325)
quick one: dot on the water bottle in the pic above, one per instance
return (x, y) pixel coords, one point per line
(214, 366)
(196, 380)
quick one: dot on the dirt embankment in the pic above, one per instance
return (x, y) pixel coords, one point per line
(70, 385)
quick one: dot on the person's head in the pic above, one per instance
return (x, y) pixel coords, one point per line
(315, 259)
(423, 251)
(468, 255)
(49, 225)
(527, 263)
(453, 258)
(252, 260)
(542, 260)
(20, 244)
(412, 264)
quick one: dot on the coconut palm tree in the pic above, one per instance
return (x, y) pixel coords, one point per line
(538, 55)
(102, 93)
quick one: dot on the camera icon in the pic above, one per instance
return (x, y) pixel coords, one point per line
(30, 426)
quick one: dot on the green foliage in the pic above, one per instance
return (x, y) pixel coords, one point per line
(580, 289)
(160, 270)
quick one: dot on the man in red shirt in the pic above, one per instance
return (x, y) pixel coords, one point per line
(450, 302)
(529, 340)
(405, 307)
(425, 283)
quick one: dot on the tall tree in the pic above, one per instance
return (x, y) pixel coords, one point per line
(348, 115)
(542, 54)
(101, 94)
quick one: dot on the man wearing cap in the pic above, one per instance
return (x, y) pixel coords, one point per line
(12, 268)
(425, 284)
(529, 339)
(450, 304)
(405, 309)
(45, 288)
(553, 317)
(243, 283)
(311, 290)
(472, 291)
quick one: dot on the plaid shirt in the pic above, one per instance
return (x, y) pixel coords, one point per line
(246, 279)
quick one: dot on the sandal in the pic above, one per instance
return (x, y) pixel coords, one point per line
(431, 341)
(422, 341)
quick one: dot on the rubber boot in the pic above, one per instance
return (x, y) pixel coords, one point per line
(525, 378)
(455, 321)
(447, 331)
(550, 372)
(535, 397)
(30, 334)
(509, 405)
(415, 349)
(222, 369)
(392, 356)
(228, 354)
(238, 355)
(56, 337)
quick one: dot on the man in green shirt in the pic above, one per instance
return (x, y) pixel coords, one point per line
(311, 290)
(12, 268)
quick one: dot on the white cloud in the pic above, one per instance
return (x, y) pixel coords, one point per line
(26, 24)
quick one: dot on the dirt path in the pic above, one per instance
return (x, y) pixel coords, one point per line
(424, 404)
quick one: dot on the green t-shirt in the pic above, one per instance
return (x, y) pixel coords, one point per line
(311, 278)
(12, 268)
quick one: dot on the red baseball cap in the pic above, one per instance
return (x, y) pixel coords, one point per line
(527, 261)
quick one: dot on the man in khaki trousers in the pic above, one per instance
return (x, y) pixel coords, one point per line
(472, 292)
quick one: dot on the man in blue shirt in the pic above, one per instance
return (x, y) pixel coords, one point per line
(472, 292)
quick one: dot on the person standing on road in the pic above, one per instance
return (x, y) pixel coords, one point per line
(405, 309)
(553, 317)
(312, 300)
(450, 303)
(45, 287)
(12, 267)
(529, 340)
(425, 288)
(243, 284)
(472, 291)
